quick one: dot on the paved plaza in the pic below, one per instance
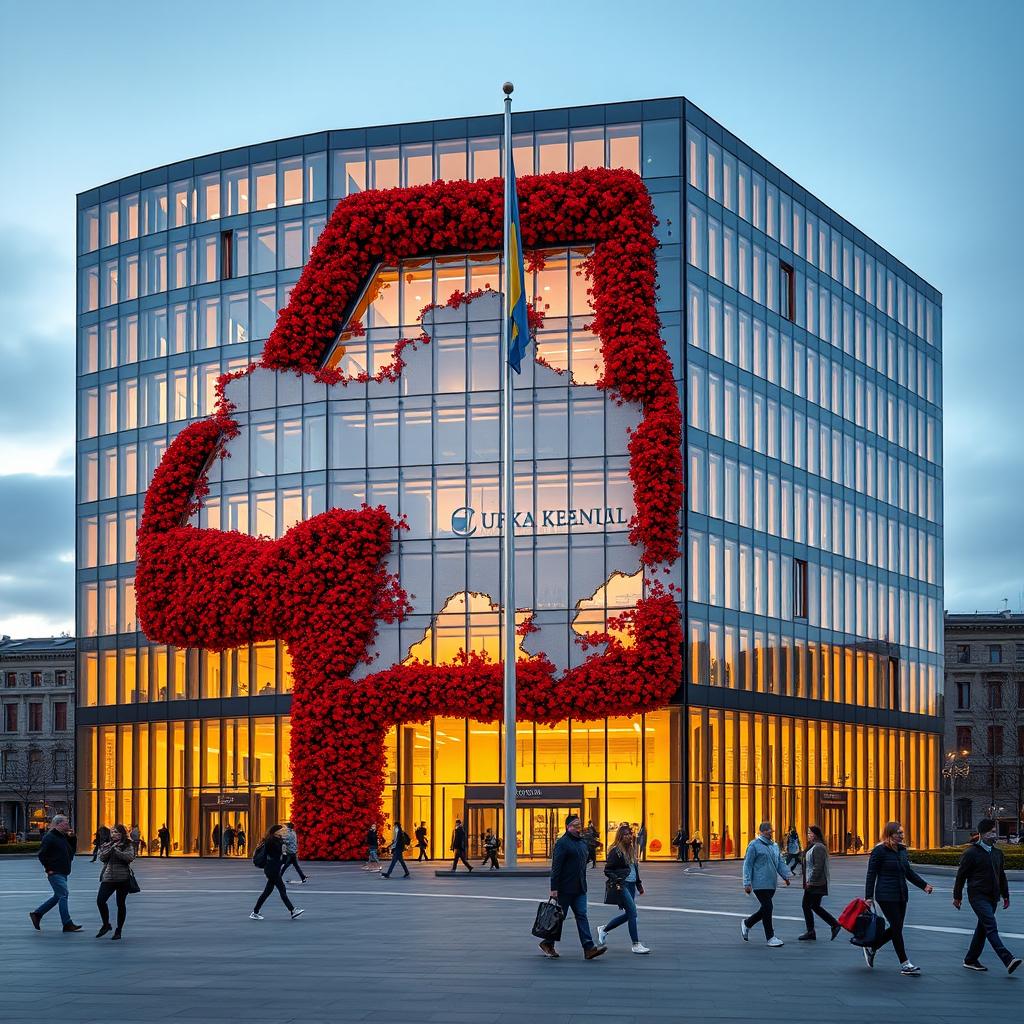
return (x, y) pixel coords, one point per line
(437, 949)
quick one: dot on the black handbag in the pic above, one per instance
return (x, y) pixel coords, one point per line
(133, 882)
(613, 892)
(868, 929)
(547, 925)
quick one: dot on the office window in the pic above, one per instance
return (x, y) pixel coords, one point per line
(963, 654)
(10, 718)
(995, 654)
(787, 291)
(799, 588)
(995, 740)
(10, 679)
(37, 678)
(227, 260)
(35, 717)
(995, 695)
(963, 738)
(963, 695)
(60, 715)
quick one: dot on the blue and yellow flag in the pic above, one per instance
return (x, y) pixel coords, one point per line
(518, 324)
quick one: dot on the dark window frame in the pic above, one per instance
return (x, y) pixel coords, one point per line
(35, 715)
(799, 588)
(787, 291)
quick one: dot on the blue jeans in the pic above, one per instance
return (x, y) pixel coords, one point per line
(628, 915)
(985, 910)
(371, 855)
(59, 885)
(577, 902)
(397, 860)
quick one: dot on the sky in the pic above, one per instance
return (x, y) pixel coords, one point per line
(904, 117)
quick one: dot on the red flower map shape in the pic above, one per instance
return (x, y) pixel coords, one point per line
(322, 588)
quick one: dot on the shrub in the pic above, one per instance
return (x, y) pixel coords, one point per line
(1013, 856)
(18, 848)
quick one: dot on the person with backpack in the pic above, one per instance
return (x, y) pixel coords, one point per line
(269, 856)
(889, 870)
(372, 846)
(421, 841)
(816, 879)
(115, 878)
(762, 867)
(981, 869)
(623, 873)
(491, 844)
(291, 852)
(792, 848)
(400, 840)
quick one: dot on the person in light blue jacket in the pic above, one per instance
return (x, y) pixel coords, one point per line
(763, 866)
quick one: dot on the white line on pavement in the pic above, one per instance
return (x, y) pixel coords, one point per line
(525, 899)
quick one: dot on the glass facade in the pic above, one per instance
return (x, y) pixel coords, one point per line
(808, 362)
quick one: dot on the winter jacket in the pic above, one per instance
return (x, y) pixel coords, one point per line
(116, 857)
(888, 873)
(816, 873)
(984, 874)
(569, 865)
(56, 852)
(763, 865)
(291, 843)
(617, 867)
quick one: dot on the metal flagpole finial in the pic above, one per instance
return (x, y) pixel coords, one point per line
(507, 88)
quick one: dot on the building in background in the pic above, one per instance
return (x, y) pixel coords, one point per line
(984, 741)
(37, 731)
(809, 368)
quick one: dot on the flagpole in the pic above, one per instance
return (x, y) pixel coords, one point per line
(508, 544)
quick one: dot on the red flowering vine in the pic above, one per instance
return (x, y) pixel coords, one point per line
(323, 588)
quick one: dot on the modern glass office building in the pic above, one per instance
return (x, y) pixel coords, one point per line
(809, 370)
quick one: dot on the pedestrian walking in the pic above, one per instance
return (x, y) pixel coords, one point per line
(696, 846)
(135, 837)
(458, 846)
(569, 886)
(56, 852)
(641, 841)
(372, 846)
(115, 878)
(792, 849)
(228, 841)
(100, 836)
(291, 852)
(164, 835)
(816, 879)
(680, 842)
(421, 841)
(240, 840)
(982, 870)
(624, 882)
(889, 870)
(269, 855)
(215, 838)
(490, 850)
(590, 838)
(763, 866)
(399, 841)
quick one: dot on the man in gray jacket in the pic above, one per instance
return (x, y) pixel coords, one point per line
(762, 867)
(291, 852)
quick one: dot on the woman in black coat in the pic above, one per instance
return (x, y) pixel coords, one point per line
(623, 874)
(271, 853)
(889, 870)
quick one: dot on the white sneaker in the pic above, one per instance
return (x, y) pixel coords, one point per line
(910, 969)
(639, 947)
(744, 931)
(297, 913)
(775, 941)
(869, 956)
(602, 935)
(255, 917)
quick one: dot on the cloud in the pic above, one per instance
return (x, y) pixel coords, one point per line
(37, 577)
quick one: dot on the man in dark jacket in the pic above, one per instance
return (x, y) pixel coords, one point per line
(56, 852)
(421, 841)
(569, 886)
(458, 846)
(981, 867)
(164, 835)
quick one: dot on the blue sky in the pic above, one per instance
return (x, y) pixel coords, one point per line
(904, 117)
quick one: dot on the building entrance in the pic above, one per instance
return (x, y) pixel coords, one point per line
(224, 825)
(832, 818)
(540, 817)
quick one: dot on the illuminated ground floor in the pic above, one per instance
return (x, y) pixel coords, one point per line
(218, 782)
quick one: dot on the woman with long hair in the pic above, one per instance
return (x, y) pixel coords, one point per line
(623, 874)
(889, 870)
(271, 853)
(816, 879)
(115, 878)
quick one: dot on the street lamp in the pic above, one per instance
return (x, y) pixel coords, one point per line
(956, 767)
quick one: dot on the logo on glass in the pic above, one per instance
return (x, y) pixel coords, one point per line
(462, 521)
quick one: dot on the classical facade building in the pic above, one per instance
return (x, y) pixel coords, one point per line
(806, 361)
(37, 737)
(984, 742)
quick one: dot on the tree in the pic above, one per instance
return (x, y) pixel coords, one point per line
(64, 774)
(24, 773)
(999, 750)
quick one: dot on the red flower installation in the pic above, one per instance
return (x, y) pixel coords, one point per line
(322, 588)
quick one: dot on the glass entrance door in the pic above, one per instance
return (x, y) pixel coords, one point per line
(478, 820)
(538, 826)
(225, 833)
(833, 826)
